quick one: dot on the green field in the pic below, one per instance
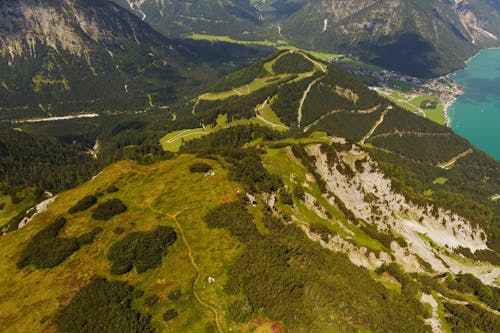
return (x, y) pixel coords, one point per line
(413, 104)
(436, 114)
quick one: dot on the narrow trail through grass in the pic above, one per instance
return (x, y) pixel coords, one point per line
(193, 263)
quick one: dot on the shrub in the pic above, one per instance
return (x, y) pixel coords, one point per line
(142, 250)
(174, 295)
(46, 250)
(299, 193)
(118, 230)
(286, 198)
(110, 208)
(83, 204)
(2, 205)
(321, 230)
(235, 217)
(151, 300)
(170, 314)
(112, 189)
(103, 306)
(199, 167)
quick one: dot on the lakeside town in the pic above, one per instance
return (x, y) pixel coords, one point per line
(431, 94)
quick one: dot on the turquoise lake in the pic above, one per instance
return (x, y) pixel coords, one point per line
(476, 114)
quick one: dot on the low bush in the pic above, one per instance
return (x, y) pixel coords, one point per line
(170, 315)
(112, 189)
(199, 167)
(110, 208)
(151, 300)
(174, 295)
(235, 217)
(142, 250)
(83, 204)
(103, 306)
(46, 250)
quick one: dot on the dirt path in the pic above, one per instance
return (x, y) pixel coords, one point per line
(184, 134)
(257, 114)
(193, 263)
(449, 164)
(302, 101)
(372, 130)
(193, 110)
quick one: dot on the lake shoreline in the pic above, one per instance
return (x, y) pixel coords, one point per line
(474, 115)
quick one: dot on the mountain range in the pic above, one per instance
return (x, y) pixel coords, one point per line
(222, 187)
(422, 38)
(62, 57)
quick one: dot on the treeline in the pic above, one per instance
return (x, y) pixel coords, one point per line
(32, 160)
(310, 163)
(132, 139)
(46, 250)
(142, 250)
(233, 137)
(236, 107)
(467, 283)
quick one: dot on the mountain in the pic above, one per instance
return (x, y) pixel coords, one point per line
(424, 38)
(302, 202)
(59, 57)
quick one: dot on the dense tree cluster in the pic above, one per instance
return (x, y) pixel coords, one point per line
(236, 107)
(235, 217)
(103, 306)
(241, 77)
(292, 63)
(350, 125)
(466, 318)
(287, 101)
(108, 209)
(84, 204)
(31, 160)
(46, 250)
(142, 250)
(232, 137)
(467, 283)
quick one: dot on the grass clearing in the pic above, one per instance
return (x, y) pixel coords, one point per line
(435, 114)
(440, 181)
(153, 194)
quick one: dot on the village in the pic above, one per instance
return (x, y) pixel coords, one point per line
(422, 96)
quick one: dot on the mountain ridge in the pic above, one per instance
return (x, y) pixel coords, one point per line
(433, 37)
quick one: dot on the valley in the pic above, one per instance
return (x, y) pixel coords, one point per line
(243, 166)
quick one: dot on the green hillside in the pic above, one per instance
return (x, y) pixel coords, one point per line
(286, 197)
